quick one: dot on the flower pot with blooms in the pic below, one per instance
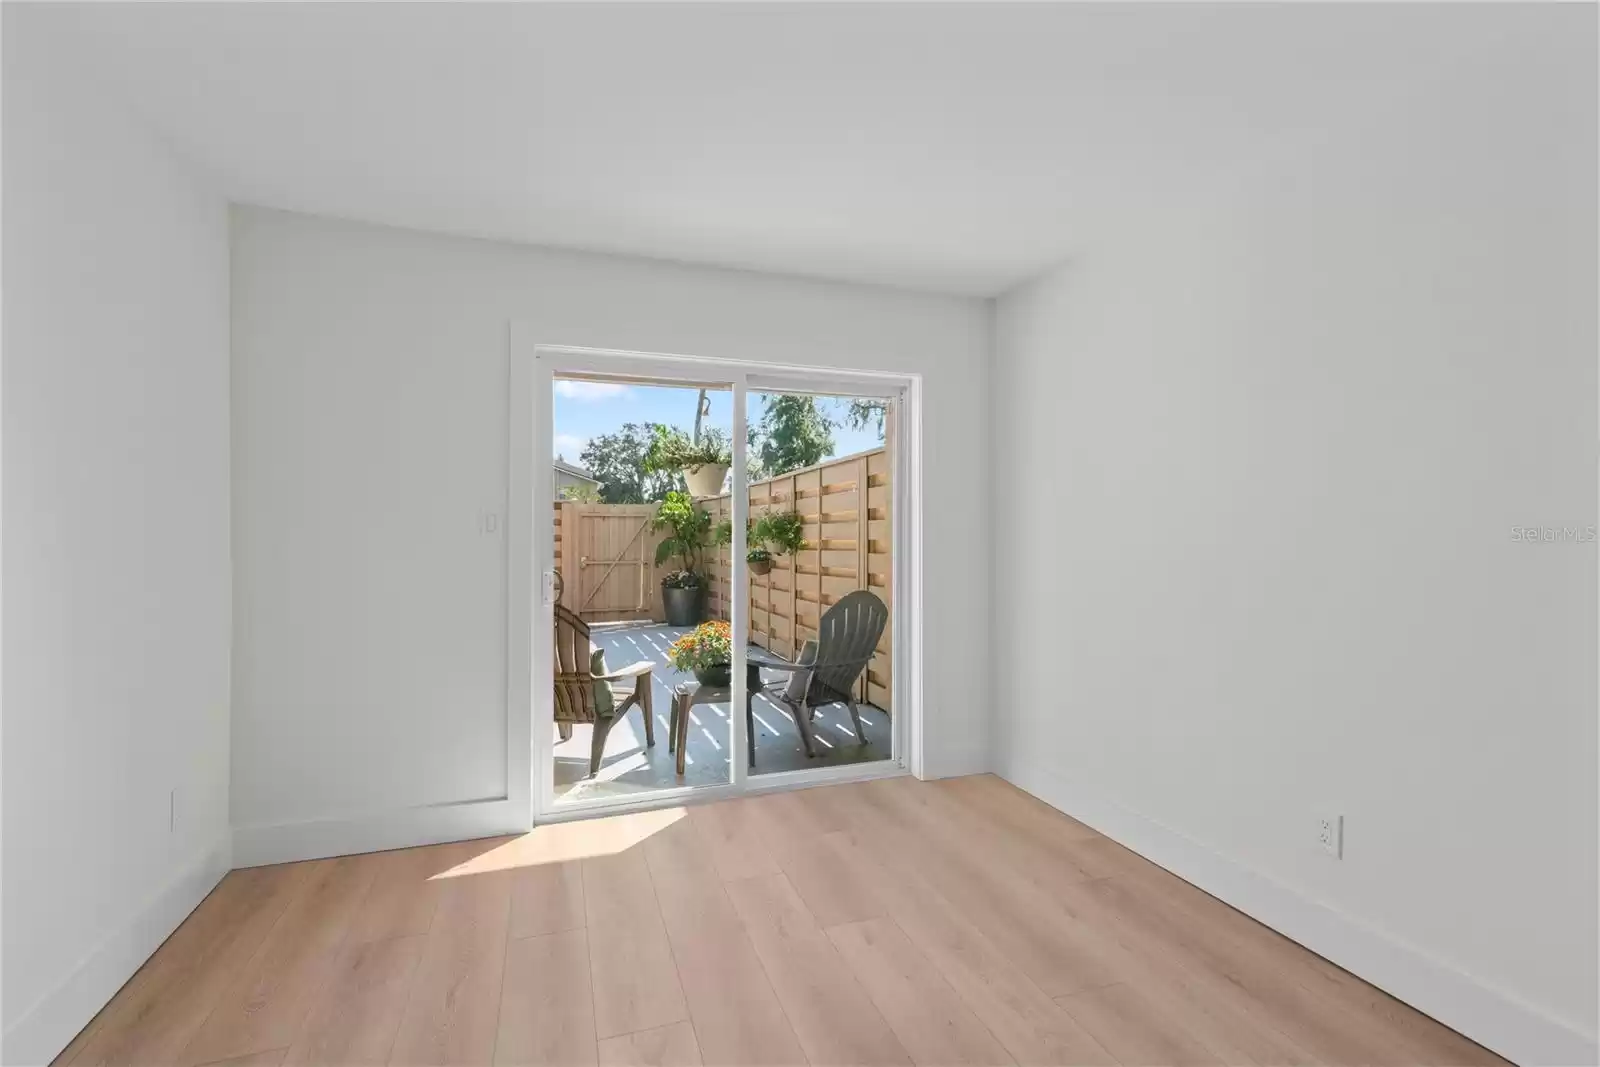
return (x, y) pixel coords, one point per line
(707, 650)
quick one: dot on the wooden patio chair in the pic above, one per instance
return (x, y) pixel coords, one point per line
(827, 669)
(586, 691)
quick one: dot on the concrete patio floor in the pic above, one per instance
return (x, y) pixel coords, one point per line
(629, 766)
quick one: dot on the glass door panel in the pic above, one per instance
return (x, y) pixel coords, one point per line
(640, 470)
(821, 578)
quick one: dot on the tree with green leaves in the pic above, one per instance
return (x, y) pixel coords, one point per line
(792, 433)
(754, 469)
(618, 461)
(580, 493)
(862, 413)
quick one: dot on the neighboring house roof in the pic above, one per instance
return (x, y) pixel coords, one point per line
(577, 472)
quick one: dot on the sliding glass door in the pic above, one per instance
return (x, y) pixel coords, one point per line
(642, 646)
(715, 610)
(821, 576)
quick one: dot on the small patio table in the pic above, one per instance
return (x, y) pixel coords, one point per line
(687, 694)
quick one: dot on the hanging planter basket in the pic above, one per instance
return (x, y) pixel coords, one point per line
(706, 479)
(760, 566)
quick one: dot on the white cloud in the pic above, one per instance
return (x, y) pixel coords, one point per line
(575, 390)
(570, 446)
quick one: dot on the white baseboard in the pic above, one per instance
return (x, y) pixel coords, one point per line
(1495, 1019)
(254, 846)
(51, 1024)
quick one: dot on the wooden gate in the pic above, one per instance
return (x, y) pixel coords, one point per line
(605, 554)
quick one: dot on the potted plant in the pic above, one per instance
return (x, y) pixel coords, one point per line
(689, 528)
(781, 533)
(704, 465)
(757, 555)
(707, 650)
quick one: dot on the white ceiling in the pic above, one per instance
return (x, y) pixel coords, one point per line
(949, 147)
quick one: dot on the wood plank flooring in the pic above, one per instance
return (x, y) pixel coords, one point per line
(892, 922)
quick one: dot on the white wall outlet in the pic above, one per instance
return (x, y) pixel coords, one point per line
(488, 522)
(1330, 834)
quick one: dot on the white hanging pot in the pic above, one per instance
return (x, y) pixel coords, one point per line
(706, 479)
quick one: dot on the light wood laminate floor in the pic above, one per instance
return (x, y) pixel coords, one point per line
(891, 922)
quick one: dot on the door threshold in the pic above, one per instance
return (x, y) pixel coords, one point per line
(775, 782)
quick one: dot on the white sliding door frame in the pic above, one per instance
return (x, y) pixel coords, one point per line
(894, 393)
(530, 542)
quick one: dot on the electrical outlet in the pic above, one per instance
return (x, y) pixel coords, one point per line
(1330, 834)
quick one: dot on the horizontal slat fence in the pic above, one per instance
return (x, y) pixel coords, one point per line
(845, 503)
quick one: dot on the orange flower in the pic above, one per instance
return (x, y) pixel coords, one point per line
(706, 644)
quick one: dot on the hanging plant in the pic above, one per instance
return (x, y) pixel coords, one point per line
(784, 531)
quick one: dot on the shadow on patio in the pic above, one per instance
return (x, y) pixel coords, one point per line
(630, 766)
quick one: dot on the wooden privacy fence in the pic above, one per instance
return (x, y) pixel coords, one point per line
(845, 503)
(605, 554)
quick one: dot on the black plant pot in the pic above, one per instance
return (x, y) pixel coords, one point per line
(682, 606)
(715, 674)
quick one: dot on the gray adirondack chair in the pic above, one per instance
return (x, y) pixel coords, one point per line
(827, 669)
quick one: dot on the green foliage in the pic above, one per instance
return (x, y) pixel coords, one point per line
(640, 463)
(690, 529)
(863, 413)
(792, 433)
(618, 461)
(681, 580)
(755, 470)
(783, 530)
(777, 533)
(671, 450)
(582, 493)
(715, 443)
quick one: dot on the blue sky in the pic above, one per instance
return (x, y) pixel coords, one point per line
(589, 409)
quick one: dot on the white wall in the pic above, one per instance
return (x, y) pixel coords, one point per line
(370, 407)
(1261, 457)
(116, 557)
